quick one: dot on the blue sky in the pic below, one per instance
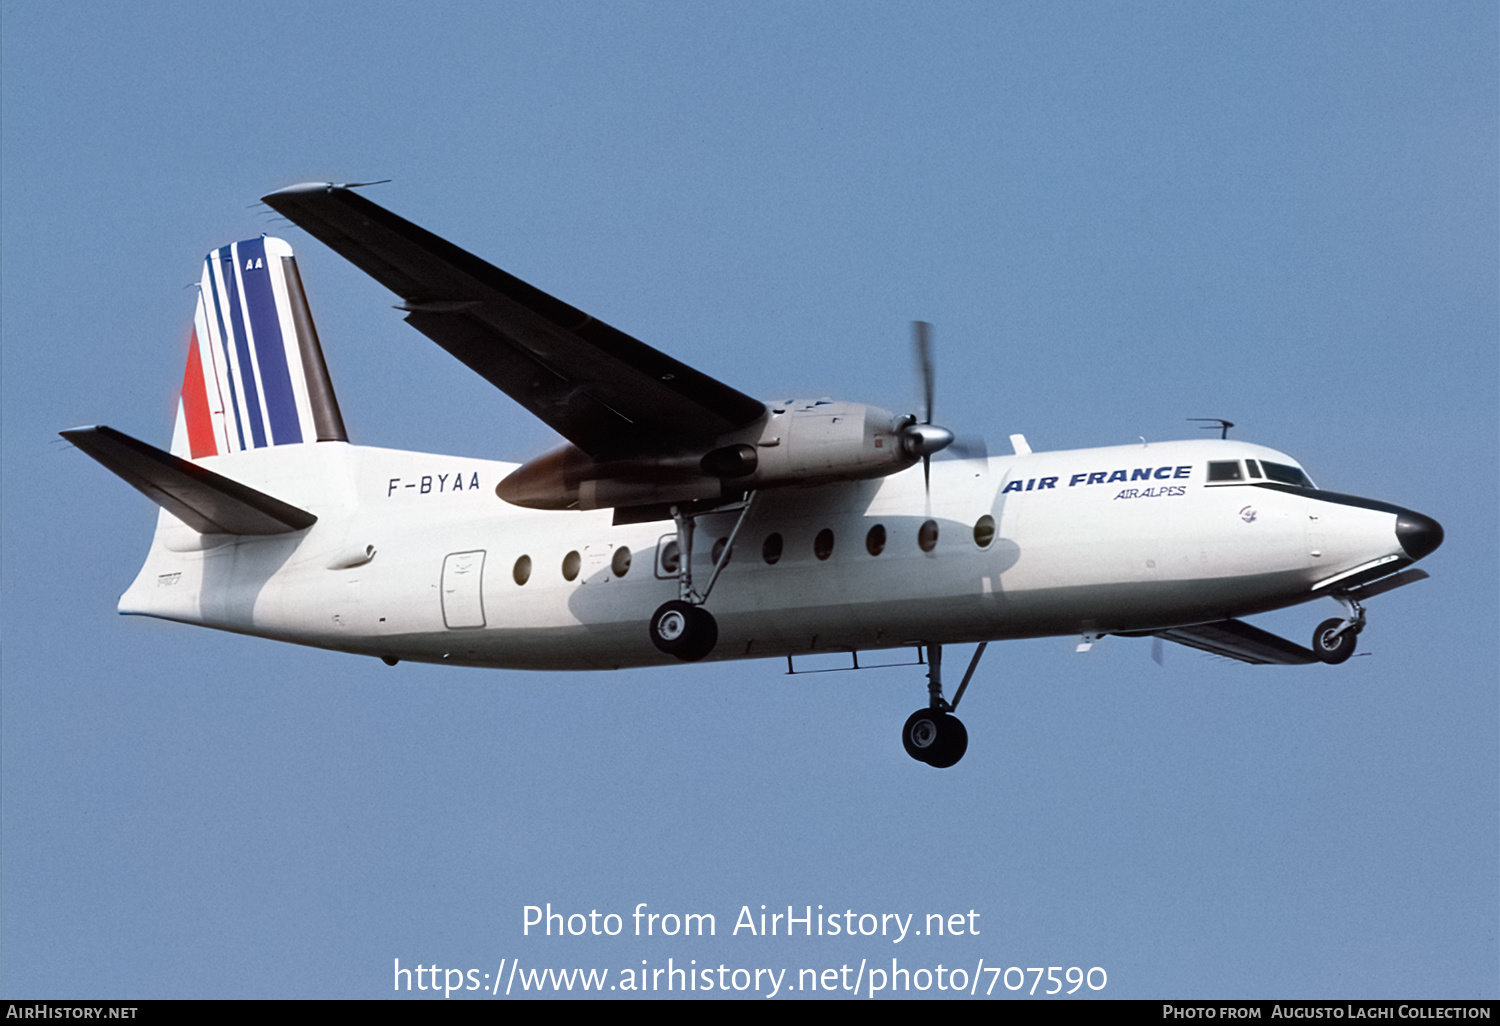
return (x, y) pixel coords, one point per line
(1116, 216)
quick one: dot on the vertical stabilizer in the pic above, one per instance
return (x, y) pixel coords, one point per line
(255, 373)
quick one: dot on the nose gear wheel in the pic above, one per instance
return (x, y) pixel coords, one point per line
(1334, 640)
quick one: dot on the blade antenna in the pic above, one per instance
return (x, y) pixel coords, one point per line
(1213, 422)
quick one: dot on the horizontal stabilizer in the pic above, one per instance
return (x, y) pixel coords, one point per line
(1237, 639)
(209, 503)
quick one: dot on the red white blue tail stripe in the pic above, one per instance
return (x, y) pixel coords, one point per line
(255, 374)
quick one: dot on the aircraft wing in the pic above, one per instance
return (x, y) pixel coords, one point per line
(1237, 639)
(209, 503)
(609, 394)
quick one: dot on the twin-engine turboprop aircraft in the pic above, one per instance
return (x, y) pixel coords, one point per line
(606, 551)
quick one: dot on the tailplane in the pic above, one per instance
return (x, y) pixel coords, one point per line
(255, 373)
(209, 503)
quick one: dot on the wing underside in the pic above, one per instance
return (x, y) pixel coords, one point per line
(609, 394)
(1236, 639)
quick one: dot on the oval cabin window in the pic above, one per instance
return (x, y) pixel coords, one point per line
(671, 558)
(718, 550)
(984, 531)
(823, 543)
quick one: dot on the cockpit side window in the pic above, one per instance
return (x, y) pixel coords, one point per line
(1224, 470)
(1286, 475)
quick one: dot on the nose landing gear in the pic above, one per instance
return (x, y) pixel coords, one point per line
(934, 735)
(1333, 642)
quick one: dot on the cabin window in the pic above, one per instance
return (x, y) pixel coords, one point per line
(984, 531)
(719, 551)
(619, 563)
(671, 558)
(522, 570)
(572, 563)
(875, 540)
(927, 536)
(823, 543)
(1224, 470)
(771, 550)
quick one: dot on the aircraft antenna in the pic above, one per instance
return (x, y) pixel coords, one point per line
(1219, 422)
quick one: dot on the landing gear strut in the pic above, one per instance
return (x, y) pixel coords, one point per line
(934, 735)
(682, 627)
(1334, 640)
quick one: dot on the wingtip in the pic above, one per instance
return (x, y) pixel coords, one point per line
(301, 189)
(316, 188)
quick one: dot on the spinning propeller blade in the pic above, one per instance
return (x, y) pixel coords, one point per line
(925, 438)
(922, 340)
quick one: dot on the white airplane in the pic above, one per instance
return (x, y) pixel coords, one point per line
(605, 552)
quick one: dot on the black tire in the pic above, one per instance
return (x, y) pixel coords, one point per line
(683, 630)
(935, 737)
(1333, 649)
(920, 734)
(952, 743)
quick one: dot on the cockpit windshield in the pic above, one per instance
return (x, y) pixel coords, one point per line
(1285, 474)
(1231, 471)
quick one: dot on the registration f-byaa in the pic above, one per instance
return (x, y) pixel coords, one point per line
(684, 520)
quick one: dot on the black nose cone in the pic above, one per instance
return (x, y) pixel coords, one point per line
(1417, 534)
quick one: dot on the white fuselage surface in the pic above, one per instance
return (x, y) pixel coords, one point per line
(414, 557)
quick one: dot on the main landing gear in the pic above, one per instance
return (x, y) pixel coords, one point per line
(682, 627)
(684, 630)
(934, 735)
(1333, 641)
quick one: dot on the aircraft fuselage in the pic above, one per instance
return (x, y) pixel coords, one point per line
(414, 557)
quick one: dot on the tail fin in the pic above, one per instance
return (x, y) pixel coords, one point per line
(255, 373)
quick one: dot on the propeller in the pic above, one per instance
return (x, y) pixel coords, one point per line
(925, 438)
(922, 341)
(968, 447)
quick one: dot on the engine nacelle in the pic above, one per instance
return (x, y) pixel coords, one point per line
(795, 443)
(819, 441)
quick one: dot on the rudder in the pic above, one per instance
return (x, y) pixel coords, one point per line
(255, 374)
